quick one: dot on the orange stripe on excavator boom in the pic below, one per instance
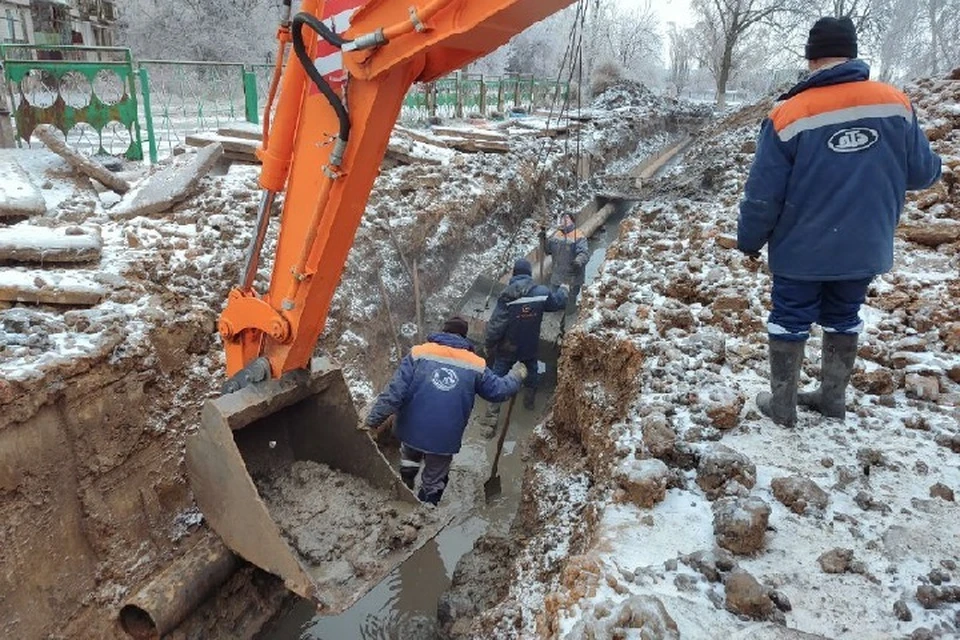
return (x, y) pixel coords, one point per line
(285, 322)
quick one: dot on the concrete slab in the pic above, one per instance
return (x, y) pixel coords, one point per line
(73, 289)
(29, 243)
(170, 185)
(19, 197)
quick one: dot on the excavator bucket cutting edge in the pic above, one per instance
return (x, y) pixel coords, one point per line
(284, 476)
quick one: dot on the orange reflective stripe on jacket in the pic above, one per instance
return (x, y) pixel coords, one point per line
(573, 236)
(837, 104)
(449, 355)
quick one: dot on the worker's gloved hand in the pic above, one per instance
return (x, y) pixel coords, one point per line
(519, 371)
(565, 288)
(752, 255)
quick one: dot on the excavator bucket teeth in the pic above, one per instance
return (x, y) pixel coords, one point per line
(285, 477)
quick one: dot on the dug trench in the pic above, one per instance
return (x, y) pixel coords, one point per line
(93, 495)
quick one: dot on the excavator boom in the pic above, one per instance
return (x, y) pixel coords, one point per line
(285, 423)
(325, 201)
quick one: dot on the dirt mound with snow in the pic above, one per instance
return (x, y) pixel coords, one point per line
(841, 529)
(626, 93)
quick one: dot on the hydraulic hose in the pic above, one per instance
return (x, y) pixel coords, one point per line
(300, 50)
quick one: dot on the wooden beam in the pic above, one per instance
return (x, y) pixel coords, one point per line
(51, 138)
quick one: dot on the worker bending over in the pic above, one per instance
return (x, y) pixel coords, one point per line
(513, 333)
(432, 395)
(570, 255)
(834, 160)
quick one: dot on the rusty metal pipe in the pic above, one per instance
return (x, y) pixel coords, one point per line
(164, 602)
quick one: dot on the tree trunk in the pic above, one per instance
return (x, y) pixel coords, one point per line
(932, 11)
(724, 76)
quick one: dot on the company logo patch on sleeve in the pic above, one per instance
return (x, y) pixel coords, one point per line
(445, 379)
(853, 140)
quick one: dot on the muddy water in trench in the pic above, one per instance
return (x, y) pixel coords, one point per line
(404, 606)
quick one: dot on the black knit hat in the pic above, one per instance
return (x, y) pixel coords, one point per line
(832, 38)
(522, 267)
(456, 325)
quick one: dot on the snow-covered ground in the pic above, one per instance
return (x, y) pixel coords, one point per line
(682, 463)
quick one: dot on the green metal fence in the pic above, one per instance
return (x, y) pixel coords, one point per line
(91, 93)
(185, 97)
(88, 93)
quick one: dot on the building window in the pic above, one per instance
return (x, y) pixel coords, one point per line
(14, 28)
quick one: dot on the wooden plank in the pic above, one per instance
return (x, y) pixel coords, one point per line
(241, 157)
(421, 136)
(51, 138)
(486, 146)
(230, 145)
(471, 134)
(68, 289)
(27, 243)
(398, 153)
(244, 131)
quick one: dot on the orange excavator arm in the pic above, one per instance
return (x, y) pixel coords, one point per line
(340, 96)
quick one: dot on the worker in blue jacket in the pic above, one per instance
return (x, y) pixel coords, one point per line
(826, 189)
(513, 332)
(432, 396)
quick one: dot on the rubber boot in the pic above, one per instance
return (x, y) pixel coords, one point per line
(430, 498)
(490, 421)
(409, 476)
(780, 404)
(839, 355)
(529, 398)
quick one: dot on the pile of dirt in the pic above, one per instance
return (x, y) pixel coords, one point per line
(625, 93)
(665, 360)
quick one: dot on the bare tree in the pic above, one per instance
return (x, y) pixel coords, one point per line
(721, 29)
(681, 52)
(236, 31)
(631, 34)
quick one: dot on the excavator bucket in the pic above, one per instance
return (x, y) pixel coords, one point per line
(285, 477)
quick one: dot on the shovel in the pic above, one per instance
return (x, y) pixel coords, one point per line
(492, 488)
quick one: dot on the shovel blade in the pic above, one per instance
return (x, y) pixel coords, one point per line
(492, 488)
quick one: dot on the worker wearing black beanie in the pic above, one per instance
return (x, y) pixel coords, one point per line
(832, 38)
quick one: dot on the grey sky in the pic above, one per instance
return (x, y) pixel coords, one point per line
(669, 10)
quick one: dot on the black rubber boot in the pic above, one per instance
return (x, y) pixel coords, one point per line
(409, 476)
(780, 404)
(529, 398)
(839, 356)
(430, 498)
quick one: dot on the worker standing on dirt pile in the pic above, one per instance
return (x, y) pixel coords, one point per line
(570, 255)
(432, 395)
(834, 160)
(513, 333)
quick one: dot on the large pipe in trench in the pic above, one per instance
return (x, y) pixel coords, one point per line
(588, 228)
(164, 602)
(646, 171)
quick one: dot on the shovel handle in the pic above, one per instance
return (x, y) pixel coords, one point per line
(503, 436)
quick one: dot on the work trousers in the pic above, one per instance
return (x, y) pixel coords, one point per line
(436, 472)
(797, 304)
